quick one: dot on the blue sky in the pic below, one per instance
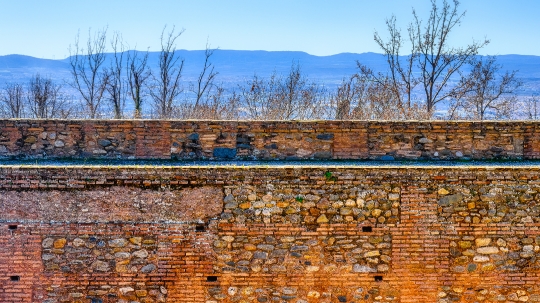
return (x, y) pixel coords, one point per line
(45, 29)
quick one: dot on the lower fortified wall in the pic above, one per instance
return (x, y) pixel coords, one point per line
(269, 234)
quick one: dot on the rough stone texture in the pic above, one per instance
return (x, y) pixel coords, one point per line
(334, 202)
(519, 253)
(295, 251)
(475, 245)
(90, 254)
(152, 139)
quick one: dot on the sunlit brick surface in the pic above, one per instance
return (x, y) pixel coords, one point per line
(269, 234)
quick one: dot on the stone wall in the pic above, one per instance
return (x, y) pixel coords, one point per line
(292, 140)
(269, 234)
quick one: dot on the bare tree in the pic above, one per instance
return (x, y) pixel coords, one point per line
(115, 85)
(430, 56)
(89, 79)
(437, 60)
(401, 79)
(138, 72)
(167, 84)
(205, 81)
(45, 99)
(12, 101)
(485, 92)
(207, 96)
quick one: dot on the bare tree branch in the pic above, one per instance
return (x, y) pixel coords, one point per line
(115, 85)
(403, 81)
(206, 78)
(89, 79)
(138, 72)
(167, 84)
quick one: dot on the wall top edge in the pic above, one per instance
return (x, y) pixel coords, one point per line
(283, 121)
(278, 167)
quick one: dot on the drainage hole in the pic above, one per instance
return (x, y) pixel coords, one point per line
(367, 229)
(211, 279)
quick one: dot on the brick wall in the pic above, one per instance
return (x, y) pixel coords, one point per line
(152, 139)
(269, 234)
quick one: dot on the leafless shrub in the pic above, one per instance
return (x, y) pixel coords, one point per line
(530, 107)
(365, 96)
(12, 103)
(45, 99)
(217, 106)
(278, 98)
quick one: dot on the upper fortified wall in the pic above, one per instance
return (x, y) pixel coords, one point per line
(264, 140)
(314, 232)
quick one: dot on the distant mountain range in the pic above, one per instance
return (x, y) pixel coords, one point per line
(235, 66)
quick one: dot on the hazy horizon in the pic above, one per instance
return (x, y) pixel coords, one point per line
(257, 50)
(46, 29)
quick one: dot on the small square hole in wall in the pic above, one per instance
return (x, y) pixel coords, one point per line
(15, 278)
(12, 227)
(378, 278)
(211, 279)
(200, 227)
(367, 229)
